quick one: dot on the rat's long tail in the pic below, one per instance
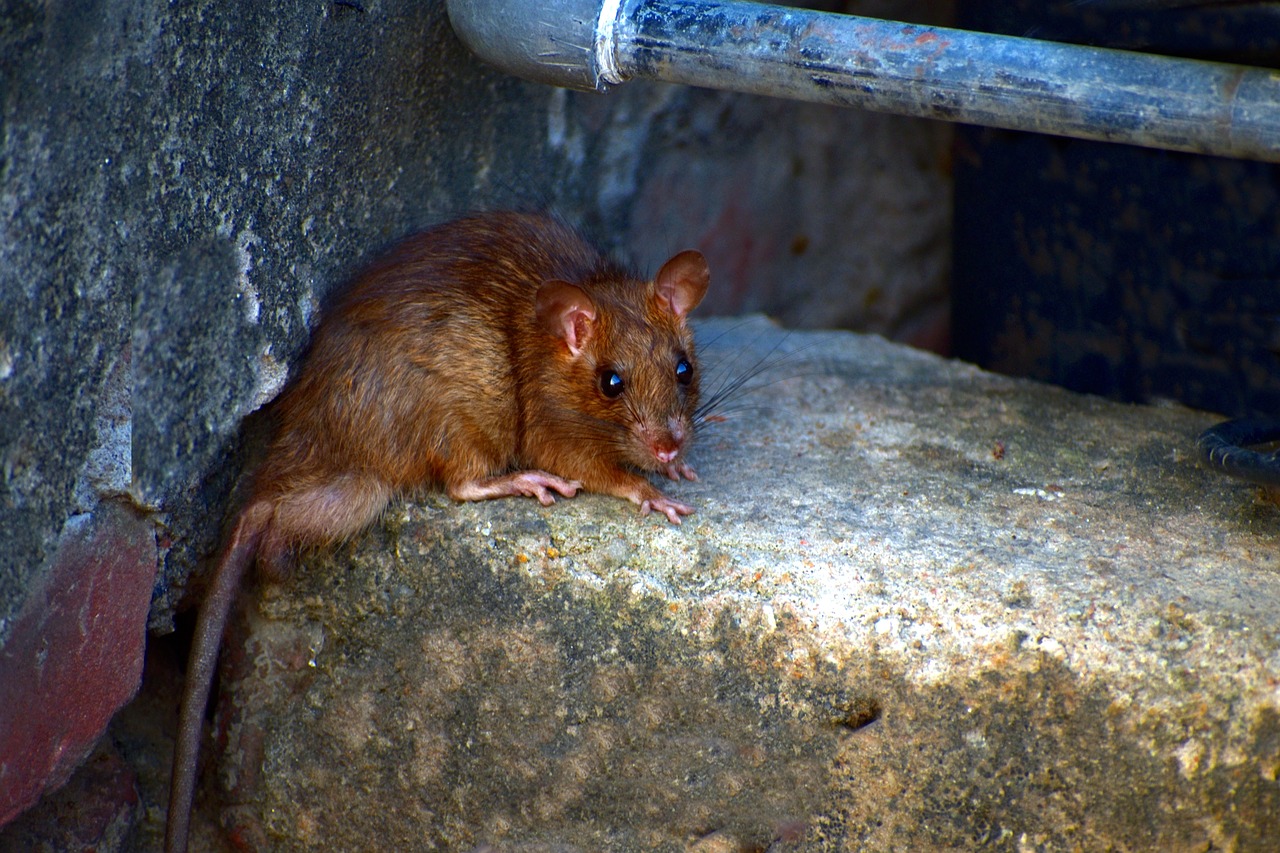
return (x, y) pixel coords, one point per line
(236, 557)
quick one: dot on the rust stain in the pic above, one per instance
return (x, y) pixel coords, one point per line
(818, 29)
(1229, 89)
(1232, 85)
(939, 44)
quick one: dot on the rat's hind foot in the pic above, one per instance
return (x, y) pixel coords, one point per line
(534, 484)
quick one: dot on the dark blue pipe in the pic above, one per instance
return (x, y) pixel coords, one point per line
(934, 72)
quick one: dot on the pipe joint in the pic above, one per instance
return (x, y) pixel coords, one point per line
(567, 43)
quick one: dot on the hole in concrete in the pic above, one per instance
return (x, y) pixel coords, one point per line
(858, 714)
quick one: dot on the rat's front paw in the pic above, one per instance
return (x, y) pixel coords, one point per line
(676, 470)
(663, 504)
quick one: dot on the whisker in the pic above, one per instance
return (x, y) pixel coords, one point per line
(735, 383)
(711, 342)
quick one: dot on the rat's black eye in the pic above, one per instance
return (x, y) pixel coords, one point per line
(684, 371)
(611, 383)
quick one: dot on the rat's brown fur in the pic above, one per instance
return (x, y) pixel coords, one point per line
(471, 358)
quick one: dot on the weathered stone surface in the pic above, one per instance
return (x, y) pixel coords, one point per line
(919, 607)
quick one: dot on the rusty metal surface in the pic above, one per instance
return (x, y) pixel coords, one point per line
(846, 60)
(956, 75)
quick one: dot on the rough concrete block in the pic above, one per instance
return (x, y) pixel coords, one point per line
(919, 607)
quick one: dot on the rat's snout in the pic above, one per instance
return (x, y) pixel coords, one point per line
(665, 442)
(665, 456)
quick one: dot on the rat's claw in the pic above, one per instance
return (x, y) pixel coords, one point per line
(671, 509)
(538, 484)
(676, 470)
(535, 484)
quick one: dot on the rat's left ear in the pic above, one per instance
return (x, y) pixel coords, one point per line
(565, 311)
(682, 282)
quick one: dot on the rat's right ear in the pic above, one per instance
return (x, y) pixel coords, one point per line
(565, 310)
(682, 282)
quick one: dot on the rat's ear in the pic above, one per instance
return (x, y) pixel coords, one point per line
(565, 311)
(682, 282)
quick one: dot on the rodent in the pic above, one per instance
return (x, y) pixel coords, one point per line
(498, 354)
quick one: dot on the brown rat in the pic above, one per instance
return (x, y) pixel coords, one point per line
(496, 355)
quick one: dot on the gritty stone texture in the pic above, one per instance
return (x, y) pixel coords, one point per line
(919, 607)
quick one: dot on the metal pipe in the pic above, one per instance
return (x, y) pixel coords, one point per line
(934, 72)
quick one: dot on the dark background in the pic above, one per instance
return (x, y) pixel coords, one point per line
(1136, 274)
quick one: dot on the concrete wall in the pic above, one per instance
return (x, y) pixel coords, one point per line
(182, 183)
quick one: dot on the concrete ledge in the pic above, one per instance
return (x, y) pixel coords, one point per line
(919, 607)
